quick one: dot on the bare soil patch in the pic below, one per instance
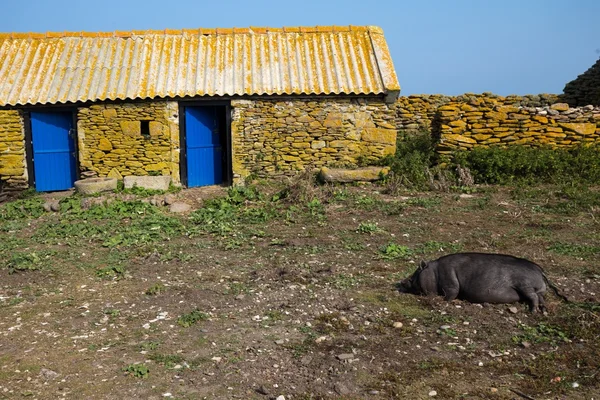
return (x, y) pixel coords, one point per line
(270, 297)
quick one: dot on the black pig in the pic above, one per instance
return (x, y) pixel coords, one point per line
(480, 278)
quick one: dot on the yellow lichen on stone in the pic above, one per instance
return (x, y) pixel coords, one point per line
(130, 128)
(105, 145)
(481, 137)
(109, 113)
(379, 135)
(560, 106)
(507, 109)
(581, 128)
(460, 138)
(114, 173)
(496, 115)
(156, 128)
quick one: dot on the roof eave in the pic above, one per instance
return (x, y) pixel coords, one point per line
(385, 63)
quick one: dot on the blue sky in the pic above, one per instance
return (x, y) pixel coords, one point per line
(444, 46)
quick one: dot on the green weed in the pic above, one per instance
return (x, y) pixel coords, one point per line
(189, 319)
(393, 251)
(148, 346)
(22, 208)
(425, 202)
(345, 281)
(541, 333)
(31, 261)
(155, 289)
(368, 227)
(137, 370)
(433, 246)
(168, 360)
(574, 250)
(111, 272)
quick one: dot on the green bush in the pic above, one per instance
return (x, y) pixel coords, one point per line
(496, 165)
(415, 154)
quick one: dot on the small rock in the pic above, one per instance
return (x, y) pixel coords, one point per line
(262, 390)
(513, 310)
(435, 348)
(179, 207)
(48, 374)
(306, 360)
(575, 385)
(153, 202)
(526, 344)
(320, 339)
(433, 393)
(398, 325)
(445, 327)
(280, 341)
(374, 392)
(466, 196)
(345, 356)
(341, 389)
(280, 398)
(240, 297)
(47, 207)
(170, 199)
(494, 390)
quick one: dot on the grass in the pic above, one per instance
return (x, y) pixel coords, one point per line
(111, 272)
(369, 227)
(541, 333)
(29, 261)
(191, 318)
(583, 251)
(137, 371)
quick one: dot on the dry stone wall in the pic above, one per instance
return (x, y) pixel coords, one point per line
(13, 167)
(418, 112)
(281, 137)
(463, 126)
(112, 143)
(463, 122)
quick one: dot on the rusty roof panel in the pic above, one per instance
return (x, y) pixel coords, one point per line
(79, 66)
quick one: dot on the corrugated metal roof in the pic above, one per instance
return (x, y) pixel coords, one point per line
(80, 66)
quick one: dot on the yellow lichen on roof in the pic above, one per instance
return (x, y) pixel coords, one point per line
(60, 67)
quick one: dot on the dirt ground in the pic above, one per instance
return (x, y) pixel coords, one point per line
(300, 304)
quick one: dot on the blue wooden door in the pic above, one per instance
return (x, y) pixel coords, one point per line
(54, 162)
(203, 146)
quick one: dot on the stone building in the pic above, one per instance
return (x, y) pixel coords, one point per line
(202, 106)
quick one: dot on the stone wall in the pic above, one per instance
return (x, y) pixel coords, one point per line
(464, 126)
(111, 141)
(418, 112)
(13, 167)
(281, 137)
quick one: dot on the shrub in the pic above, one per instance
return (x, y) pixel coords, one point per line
(409, 167)
(497, 165)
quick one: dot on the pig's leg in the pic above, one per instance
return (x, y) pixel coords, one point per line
(542, 303)
(451, 288)
(531, 297)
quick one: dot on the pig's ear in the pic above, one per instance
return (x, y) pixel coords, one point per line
(423, 264)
